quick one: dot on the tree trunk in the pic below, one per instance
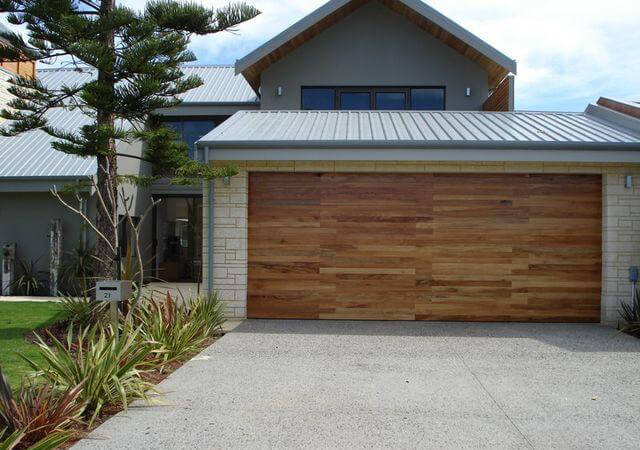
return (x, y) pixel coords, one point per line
(107, 174)
(107, 177)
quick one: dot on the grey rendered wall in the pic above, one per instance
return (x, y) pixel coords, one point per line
(134, 166)
(26, 220)
(374, 46)
(25, 217)
(141, 196)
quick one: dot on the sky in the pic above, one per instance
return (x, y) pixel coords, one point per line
(569, 52)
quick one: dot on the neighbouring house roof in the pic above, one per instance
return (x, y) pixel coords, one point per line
(496, 63)
(220, 86)
(30, 155)
(622, 106)
(417, 129)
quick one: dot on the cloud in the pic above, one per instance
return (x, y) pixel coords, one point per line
(569, 52)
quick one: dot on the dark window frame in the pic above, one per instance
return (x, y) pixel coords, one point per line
(373, 90)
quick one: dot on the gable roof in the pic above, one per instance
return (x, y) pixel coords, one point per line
(497, 64)
(421, 130)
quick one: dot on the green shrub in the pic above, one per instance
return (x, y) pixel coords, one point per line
(109, 368)
(82, 311)
(78, 270)
(630, 315)
(177, 329)
(37, 411)
(30, 281)
(169, 325)
(210, 310)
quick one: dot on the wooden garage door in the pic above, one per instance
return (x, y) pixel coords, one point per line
(425, 246)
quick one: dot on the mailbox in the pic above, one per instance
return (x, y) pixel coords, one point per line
(113, 290)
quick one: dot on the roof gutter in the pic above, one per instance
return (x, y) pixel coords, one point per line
(422, 145)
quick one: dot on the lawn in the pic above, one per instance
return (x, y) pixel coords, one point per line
(16, 320)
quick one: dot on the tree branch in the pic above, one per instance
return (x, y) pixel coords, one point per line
(123, 155)
(90, 4)
(54, 192)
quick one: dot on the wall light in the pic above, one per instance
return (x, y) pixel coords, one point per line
(628, 182)
(279, 91)
(468, 92)
(226, 181)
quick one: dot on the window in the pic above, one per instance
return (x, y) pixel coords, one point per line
(355, 100)
(190, 130)
(391, 100)
(379, 98)
(318, 99)
(427, 99)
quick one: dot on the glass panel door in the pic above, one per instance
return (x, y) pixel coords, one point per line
(178, 240)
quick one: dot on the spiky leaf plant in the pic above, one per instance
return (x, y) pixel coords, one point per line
(38, 411)
(630, 316)
(109, 368)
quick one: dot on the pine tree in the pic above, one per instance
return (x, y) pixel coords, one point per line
(137, 56)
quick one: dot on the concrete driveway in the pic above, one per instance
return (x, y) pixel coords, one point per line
(291, 384)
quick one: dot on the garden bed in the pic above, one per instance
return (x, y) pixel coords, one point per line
(82, 374)
(155, 377)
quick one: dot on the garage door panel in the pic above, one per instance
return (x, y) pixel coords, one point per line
(485, 247)
(285, 306)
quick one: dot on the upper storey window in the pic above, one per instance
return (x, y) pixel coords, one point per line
(376, 98)
(318, 98)
(355, 100)
(192, 129)
(427, 99)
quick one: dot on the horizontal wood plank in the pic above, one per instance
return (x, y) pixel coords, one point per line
(479, 247)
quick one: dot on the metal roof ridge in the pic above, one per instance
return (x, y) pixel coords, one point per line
(89, 68)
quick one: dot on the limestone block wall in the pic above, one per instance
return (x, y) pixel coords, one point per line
(621, 239)
(228, 248)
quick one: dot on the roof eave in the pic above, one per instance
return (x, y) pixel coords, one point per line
(420, 145)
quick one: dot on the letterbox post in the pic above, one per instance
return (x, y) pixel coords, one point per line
(113, 291)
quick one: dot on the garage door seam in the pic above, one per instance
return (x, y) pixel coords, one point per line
(494, 399)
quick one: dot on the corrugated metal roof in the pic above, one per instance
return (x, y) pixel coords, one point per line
(443, 129)
(30, 154)
(220, 83)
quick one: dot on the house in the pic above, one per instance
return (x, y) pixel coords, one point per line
(29, 168)
(377, 182)
(10, 69)
(384, 174)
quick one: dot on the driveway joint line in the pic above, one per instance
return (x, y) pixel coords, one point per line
(484, 388)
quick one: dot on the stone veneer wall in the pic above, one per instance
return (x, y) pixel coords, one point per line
(229, 247)
(620, 238)
(621, 219)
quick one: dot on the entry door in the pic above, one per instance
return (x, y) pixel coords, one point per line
(178, 239)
